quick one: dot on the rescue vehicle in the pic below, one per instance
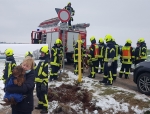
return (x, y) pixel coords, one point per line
(50, 30)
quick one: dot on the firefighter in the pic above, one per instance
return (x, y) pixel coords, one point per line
(55, 61)
(93, 57)
(41, 80)
(108, 60)
(10, 63)
(137, 53)
(76, 57)
(143, 50)
(72, 12)
(115, 62)
(102, 48)
(126, 58)
(28, 53)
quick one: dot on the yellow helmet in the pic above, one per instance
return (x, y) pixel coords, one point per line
(141, 40)
(58, 41)
(28, 53)
(44, 49)
(101, 40)
(92, 38)
(69, 3)
(80, 41)
(108, 38)
(129, 41)
(9, 52)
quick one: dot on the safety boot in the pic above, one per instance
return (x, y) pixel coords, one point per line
(44, 111)
(126, 76)
(114, 78)
(104, 80)
(101, 72)
(40, 106)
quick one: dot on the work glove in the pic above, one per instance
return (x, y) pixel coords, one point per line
(110, 62)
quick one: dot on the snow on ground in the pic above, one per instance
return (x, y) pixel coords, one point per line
(104, 101)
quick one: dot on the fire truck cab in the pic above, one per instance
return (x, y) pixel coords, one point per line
(50, 30)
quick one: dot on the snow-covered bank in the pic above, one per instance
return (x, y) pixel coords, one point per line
(107, 98)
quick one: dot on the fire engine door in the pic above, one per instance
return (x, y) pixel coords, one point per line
(51, 38)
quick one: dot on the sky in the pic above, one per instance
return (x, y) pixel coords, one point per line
(122, 19)
(21, 49)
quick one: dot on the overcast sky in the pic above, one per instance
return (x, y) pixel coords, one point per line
(121, 18)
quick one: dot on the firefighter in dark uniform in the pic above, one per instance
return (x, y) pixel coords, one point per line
(72, 12)
(143, 50)
(76, 57)
(115, 62)
(61, 53)
(126, 58)
(102, 48)
(10, 63)
(137, 53)
(108, 60)
(93, 57)
(41, 80)
(55, 60)
(28, 53)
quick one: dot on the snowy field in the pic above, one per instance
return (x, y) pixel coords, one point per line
(2, 62)
(102, 99)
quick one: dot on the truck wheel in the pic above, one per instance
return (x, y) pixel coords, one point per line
(143, 83)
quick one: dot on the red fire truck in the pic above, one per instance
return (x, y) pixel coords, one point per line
(50, 30)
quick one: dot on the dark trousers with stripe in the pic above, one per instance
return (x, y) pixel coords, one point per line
(101, 61)
(126, 68)
(54, 72)
(42, 95)
(107, 78)
(114, 69)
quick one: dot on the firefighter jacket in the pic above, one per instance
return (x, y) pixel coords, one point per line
(143, 51)
(102, 48)
(109, 52)
(70, 9)
(127, 54)
(94, 52)
(117, 50)
(137, 53)
(41, 72)
(10, 63)
(55, 59)
(76, 53)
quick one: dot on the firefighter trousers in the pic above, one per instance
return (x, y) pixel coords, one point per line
(107, 78)
(69, 22)
(93, 69)
(127, 68)
(42, 94)
(101, 61)
(114, 69)
(76, 67)
(54, 72)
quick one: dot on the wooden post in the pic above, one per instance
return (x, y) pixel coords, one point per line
(79, 59)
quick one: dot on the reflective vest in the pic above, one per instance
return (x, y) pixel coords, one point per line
(101, 52)
(142, 54)
(96, 51)
(116, 55)
(126, 52)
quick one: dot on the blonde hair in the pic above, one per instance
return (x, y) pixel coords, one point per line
(29, 61)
